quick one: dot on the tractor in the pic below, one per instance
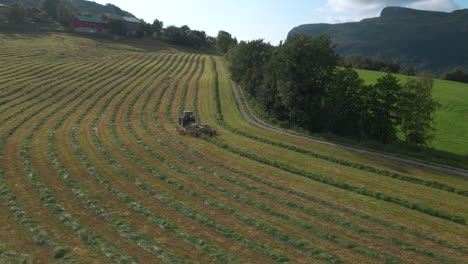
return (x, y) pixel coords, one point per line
(188, 125)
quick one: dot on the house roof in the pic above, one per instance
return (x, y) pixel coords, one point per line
(114, 17)
(131, 19)
(91, 19)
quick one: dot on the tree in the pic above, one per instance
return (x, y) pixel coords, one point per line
(17, 13)
(345, 103)
(3, 15)
(417, 108)
(174, 35)
(50, 7)
(383, 116)
(456, 75)
(268, 94)
(409, 71)
(211, 42)
(147, 29)
(64, 14)
(117, 27)
(247, 60)
(198, 39)
(371, 63)
(157, 27)
(225, 41)
(307, 65)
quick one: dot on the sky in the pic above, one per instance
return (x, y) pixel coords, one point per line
(270, 20)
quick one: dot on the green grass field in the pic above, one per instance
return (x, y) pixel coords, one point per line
(93, 170)
(451, 119)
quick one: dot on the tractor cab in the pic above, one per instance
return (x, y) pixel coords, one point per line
(187, 119)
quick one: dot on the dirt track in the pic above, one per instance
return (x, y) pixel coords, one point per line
(250, 117)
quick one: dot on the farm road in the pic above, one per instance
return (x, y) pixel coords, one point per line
(253, 119)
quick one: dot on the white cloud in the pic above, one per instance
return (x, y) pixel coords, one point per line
(353, 10)
(434, 5)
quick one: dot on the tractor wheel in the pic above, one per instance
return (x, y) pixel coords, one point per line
(194, 133)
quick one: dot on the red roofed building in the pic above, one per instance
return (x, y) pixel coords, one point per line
(90, 24)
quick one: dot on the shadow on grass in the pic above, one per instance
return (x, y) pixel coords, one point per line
(404, 150)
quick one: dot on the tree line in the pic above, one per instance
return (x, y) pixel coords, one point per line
(376, 64)
(300, 82)
(188, 37)
(457, 75)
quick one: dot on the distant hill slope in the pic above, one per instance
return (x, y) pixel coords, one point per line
(429, 40)
(80, 6)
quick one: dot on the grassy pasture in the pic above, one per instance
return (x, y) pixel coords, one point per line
(92, 170)
(451, 119)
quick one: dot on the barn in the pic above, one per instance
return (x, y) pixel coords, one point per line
(90, 24)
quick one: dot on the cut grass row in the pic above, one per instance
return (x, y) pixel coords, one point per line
(41, 92)
(13, 75)
(139, 140)
(43, 120)
(40, 235)
(141, 184)
(53, 103)
(216, 253)
(123, 229)
(167, 226)
(11, 257)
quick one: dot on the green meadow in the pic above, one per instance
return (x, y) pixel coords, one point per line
(451, 118)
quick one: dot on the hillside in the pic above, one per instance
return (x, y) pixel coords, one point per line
(93, 170)
(428, 40)
(80, 6)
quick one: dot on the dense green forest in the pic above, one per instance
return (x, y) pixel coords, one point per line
(434, 41)
(300, 82)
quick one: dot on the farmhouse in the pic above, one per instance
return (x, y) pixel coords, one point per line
(132, 25)
(90, 24)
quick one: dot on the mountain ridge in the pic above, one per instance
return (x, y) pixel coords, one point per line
(429, 40)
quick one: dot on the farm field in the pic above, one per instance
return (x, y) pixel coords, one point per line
(92, 170)
(451, 119)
